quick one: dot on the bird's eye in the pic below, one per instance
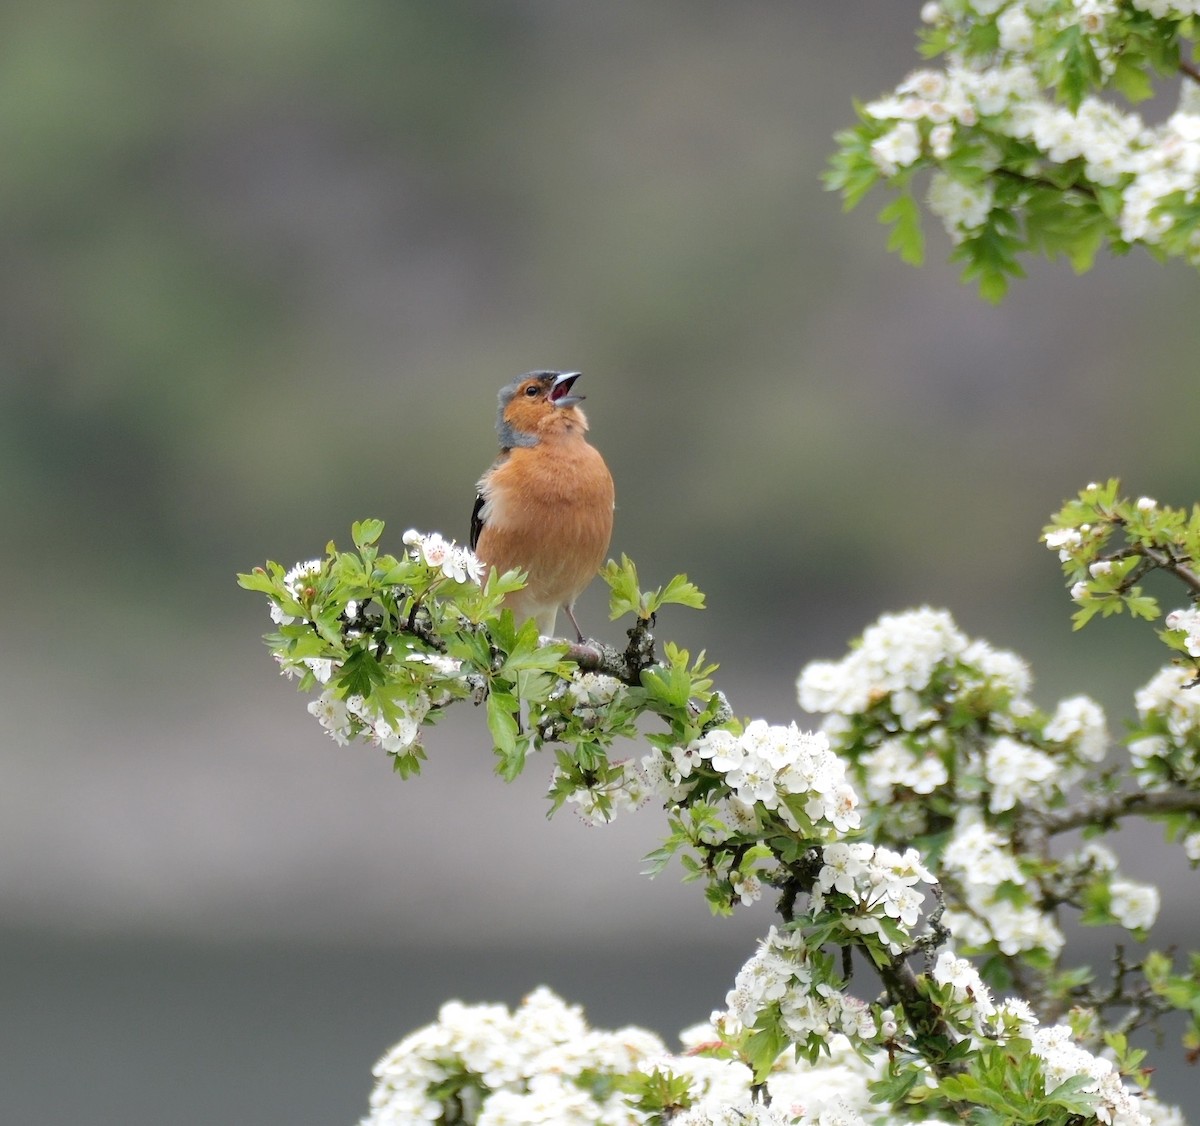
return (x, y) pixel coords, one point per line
(532, 390)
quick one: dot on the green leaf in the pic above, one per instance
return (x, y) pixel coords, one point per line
(503, 715)
(851, 170)
(1142, 605)
(1132, 80)
(1069, 1095)
(906, 238)
(682, 592)
(360, 673)
(624, 595)
(991, 257)
(366, 532)
(763, 1047)
(258, 580)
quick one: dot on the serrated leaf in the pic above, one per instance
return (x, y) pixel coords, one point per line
(905, 238)
(1132, 80)
(360, 673)
(762, 1049)
(503, 723)
(624, 595)
(682, 592)
(1142, 606)
(1070, 1095)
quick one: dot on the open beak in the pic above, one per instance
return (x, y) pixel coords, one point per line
(560, 390)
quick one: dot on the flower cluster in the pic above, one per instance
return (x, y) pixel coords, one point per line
(458, 564)
(396, 731)
(1166, 748)
(746, 801)
(297, 582)
(1062, 1059)
(542, 1063)
(790, 773)
(539, 1063)
(873, 891)
(367, 632)
(940, 733)
(599, 794)
(902, 700)
(1003, 149)
(790, 986)
(967, 1003)
(993, 904)
(1187, 622)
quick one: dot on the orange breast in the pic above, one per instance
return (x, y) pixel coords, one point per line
(549, 511)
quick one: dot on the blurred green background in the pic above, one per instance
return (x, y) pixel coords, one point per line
(264, 267)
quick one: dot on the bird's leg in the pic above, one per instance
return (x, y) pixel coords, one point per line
(571, 615)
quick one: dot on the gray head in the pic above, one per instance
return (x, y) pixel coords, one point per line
(527, 399)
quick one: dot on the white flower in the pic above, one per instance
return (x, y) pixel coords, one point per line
(1063, 1059)
(1187, 621)
(333, 715)
(980, 853)
(723, 749)
(456, 563)
(1065, 541)
(747, 888)
(898, 653)
(1018, 773)
(1080, 720)
(897, 148)
(295, 579)
(941, 140)
(1134, 906)
(600, 804)
(462, 565)
(1094, 857)
(963, 208)
(1016, 30)
(398, 735)
(1003, 668)
(963, 978)
(844, 864)
(594, 689)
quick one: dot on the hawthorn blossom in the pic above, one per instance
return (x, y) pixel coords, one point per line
(1134, 906)
(456, 563)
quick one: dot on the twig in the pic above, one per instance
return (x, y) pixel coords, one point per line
(1110, 807)
(625, 665)
(927, 1024)
(1167, 562)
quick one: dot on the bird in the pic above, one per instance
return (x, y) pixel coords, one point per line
(545, 506)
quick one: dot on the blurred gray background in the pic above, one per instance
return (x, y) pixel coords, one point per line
(263, 268)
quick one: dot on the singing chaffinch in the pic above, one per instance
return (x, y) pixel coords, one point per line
(546, 504)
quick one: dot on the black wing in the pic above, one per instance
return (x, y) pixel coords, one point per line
(476, 520)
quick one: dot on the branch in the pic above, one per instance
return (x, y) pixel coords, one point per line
(1108, 808)
(1167, 562)
(1042, 182)
(626, 665)
(1156, 559)
(1190, 70)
